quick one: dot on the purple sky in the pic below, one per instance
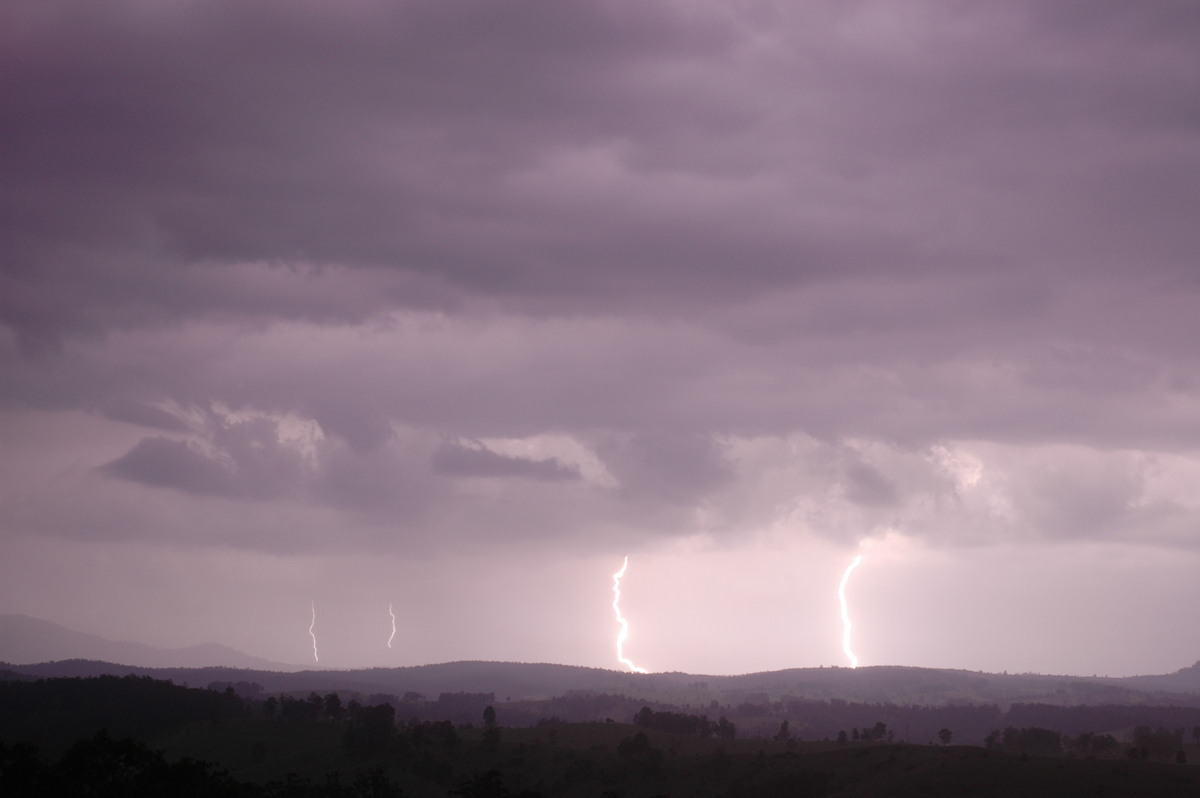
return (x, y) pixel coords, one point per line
(454, 305)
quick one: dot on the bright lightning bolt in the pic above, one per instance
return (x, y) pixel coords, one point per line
(393, 624)
(846, 611)
(622, 635)
(313, 634)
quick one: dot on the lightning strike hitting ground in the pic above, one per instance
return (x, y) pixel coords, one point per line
(622, 635)
(393, 624)
(313, 634)
(846, 611)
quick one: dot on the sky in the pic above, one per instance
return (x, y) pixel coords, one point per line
(309, 309)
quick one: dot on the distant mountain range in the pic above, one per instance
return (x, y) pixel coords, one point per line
(26, 640)
(38, 649)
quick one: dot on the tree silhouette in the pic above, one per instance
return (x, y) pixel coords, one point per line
(333, 706)
(491, 735)
(637, 752)
(370, 731)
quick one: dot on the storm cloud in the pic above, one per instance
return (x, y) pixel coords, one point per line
(411, 278)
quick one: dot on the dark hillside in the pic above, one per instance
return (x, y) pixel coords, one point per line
(539, 681)
(475, 744)
(53, 713)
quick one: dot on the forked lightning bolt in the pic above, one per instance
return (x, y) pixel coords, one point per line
(846, 611)
(622, 635)
(393, 624)
(313, 634)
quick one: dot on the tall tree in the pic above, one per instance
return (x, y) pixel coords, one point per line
(491, 735)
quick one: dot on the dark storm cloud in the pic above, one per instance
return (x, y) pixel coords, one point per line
(151, 146)
(352, 418)
(296, 161)
(867, 487)
(658, 231)
(236, 459)
(667, 467)
(455, 459)
(142, 414)
(383, 484)
(166, 463)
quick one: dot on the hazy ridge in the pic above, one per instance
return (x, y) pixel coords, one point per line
(39, 649)
(28, 640)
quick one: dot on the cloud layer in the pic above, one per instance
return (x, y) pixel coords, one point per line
(600, 276)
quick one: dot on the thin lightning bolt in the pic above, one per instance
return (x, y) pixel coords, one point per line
(313, 634)
(846, 611)
(393, 624)
(622, 635)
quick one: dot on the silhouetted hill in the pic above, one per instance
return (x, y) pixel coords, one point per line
(515, 681)
(1183, 680)
(139, 736)
(42, 649)
(937, 686)
(30, 640)
(55, 712)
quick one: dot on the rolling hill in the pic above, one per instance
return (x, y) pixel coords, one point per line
(35, 648)
(26, 640)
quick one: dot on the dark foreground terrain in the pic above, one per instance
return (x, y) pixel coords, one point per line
(133, 736)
